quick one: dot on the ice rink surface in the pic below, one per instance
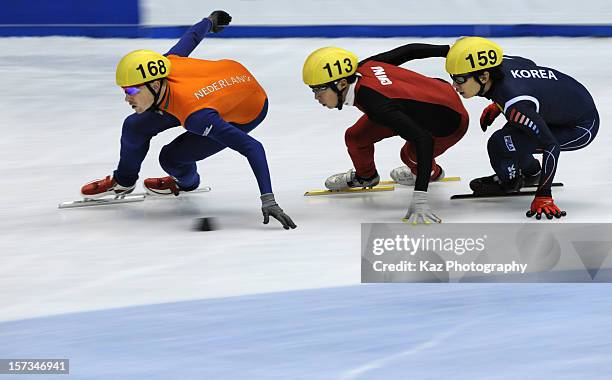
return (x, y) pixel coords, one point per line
(131, 291)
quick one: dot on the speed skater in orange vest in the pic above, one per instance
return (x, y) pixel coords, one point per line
(217, 102)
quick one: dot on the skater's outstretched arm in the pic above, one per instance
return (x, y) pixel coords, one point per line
(388, 112)
(208, 122)
(403, 54)
(524, 115)
(192, 38)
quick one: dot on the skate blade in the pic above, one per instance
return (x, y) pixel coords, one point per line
(127, 198)
(445, 179)
(350, 191)
(103, 201)
(504, 195)
(151, 194)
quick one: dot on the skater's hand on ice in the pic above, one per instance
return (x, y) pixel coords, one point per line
(421, 218)
(546, 206)
(489, 115)
(219, 19)
(419, 211)
(269, 207)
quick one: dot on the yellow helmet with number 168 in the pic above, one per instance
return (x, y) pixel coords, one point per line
(141, 66)
(470, 54)
(327, 65)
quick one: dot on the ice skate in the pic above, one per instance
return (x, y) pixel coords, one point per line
(350, 180)
(104, 187)
(162, 186)
(492, 185)
(404, 176)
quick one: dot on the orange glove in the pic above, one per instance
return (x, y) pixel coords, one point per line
(489, 115)
(545, 205)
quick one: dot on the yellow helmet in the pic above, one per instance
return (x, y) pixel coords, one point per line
(470, 54)
(141, 66)
(328, 64)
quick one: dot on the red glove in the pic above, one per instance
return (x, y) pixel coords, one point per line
(489, 114)
(544, 205)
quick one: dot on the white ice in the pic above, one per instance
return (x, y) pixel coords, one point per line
(131, 291)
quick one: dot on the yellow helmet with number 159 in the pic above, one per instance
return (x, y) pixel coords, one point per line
(328, 64)
(470, 54)
(141, 66)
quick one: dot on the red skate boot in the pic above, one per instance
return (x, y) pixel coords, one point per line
(163, 185)
(103, 187)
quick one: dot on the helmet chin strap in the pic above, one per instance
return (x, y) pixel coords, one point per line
(154, 107)
(339, 93)
(482, 86)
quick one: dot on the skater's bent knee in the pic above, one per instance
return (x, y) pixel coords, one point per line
(354, 137)
(495, 143)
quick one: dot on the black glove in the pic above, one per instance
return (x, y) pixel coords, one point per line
(270, 207)
(219, 19)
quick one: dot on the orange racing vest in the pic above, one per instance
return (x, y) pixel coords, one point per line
(225, 86)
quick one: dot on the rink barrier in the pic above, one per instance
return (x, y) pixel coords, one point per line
(308, 31)
(44, 16)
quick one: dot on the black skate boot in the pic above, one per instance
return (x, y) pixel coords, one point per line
(531, 174)
(531, 179)
(492, 185)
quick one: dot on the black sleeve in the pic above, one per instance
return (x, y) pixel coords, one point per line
(523, 115)
(409, 52)
(389, 113)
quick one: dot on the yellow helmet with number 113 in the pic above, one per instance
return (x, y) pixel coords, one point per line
(141, 66)
(470, 54)
(328, 64)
